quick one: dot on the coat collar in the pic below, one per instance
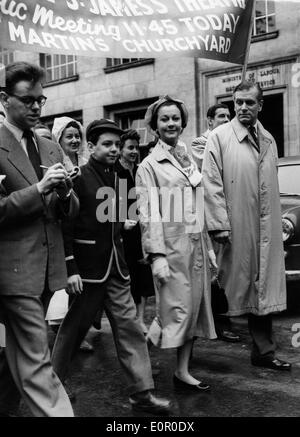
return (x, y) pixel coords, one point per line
(161, 153)
(241, 132)
(18, 157)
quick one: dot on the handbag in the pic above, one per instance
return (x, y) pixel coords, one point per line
(219, 302)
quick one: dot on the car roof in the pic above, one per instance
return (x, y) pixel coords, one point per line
(289, 160)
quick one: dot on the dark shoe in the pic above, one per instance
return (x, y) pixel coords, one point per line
(146, 402)
(229, 336)
(202, 386)
(86, 346)
(271, 363)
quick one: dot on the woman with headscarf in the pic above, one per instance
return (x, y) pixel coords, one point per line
(69, 134)
(175, 240)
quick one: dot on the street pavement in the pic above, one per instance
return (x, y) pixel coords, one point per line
(237, 388)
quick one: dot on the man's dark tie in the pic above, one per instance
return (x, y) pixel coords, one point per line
(33, 154)
(254, 136)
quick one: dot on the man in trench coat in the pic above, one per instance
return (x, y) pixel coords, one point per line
(32, 266)
(243, 214)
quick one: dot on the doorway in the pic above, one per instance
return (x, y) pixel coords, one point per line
(271, 117)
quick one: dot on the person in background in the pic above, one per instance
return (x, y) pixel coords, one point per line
(98, 276)
(69, 134)
(43, 131)
(216, 116)
(174, 239)
(242, 206)
(33, 201)
(141, 281)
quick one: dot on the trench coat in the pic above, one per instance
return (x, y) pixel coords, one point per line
(242, 196)
(172, 226)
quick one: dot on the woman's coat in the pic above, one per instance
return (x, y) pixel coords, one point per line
(242, 196)
(172, 226)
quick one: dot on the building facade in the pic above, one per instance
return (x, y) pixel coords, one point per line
(86, 88)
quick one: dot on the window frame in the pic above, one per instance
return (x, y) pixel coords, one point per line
(56, 63)
(133, 63)
(268, 34)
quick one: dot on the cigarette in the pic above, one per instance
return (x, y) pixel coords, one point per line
(43, 166)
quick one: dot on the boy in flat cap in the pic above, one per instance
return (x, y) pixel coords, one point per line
(98, 276)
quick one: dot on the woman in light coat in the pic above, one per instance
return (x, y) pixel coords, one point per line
(174, 239)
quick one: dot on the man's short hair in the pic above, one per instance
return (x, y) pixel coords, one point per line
(247, 85)
(18, 71)
(211, 112)
(130, 134)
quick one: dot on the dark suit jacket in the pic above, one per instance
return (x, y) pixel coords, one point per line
(31, 244)
(90, 243)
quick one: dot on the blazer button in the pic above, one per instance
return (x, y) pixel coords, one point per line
(16, 270)
(44, 243)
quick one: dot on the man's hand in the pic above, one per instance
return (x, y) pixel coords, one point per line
(212, 259)
(63, 189)
(55, 175)
(74, 284)
(221, 237)
(160, 269)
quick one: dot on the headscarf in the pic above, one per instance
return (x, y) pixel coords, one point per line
(60, 124)
(151, 113)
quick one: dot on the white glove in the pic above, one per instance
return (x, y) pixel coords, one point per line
(160, 269)
(129, 224)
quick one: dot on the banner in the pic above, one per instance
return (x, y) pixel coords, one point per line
(215, 29)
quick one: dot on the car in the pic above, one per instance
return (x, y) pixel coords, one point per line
(289, 185)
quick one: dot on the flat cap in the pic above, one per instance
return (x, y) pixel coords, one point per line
(102, 125)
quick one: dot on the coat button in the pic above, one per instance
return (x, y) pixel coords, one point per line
(16, 270)
(44, 243)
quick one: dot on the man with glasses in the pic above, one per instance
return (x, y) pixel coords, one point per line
(243, 214)
(35, 194)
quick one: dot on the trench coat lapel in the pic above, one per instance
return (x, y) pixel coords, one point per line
(263, 137)
(160, 154)
(264, 140)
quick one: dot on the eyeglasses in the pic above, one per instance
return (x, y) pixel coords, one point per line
(29, 101)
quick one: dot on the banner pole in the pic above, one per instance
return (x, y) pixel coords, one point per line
(248, 42)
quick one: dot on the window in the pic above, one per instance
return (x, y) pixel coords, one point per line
(130, 115)
(6, 56)
(116, 64)
(265, 17)
(135, 120)
(59, 67)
